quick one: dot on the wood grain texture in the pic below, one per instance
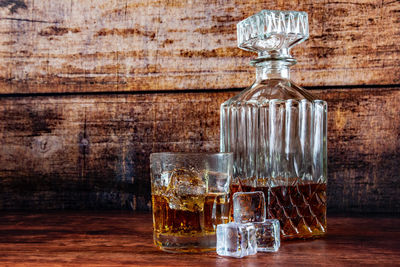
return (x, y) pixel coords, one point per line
(115, 239)
(74, 46)
(92, 151)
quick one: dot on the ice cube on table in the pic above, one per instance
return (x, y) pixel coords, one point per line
(236, 240)
(249, 207)
(186, 190)
(268, 235)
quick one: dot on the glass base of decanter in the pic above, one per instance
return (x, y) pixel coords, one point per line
(300, 209)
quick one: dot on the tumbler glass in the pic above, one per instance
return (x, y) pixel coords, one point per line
(190, 197)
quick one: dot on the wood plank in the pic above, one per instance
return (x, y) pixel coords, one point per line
(74, 46)
(117, 239)
(92, 151)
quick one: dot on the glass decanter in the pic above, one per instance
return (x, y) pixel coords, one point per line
(277, 130)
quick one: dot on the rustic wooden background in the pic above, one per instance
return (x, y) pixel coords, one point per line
(88, 89)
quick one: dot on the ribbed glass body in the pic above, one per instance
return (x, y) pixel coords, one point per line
(277, 131)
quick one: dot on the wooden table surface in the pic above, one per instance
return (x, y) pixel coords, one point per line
(115, 238)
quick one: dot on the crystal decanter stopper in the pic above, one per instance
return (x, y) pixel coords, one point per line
(277, 130)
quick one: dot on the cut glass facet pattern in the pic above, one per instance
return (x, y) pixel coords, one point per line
(272, 30)
(278, 130)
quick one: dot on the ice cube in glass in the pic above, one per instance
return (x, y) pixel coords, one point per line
(186, 190)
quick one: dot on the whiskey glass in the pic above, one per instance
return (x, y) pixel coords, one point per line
(190, 197)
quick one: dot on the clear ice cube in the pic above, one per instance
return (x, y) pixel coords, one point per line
(218, 182)
(268, 235)
(249, 207)
(236, 240)
(186, 190)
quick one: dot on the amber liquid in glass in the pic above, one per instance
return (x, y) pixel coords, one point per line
(184, 224)
(300, 209)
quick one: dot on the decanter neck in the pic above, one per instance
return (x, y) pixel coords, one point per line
(272, 68)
